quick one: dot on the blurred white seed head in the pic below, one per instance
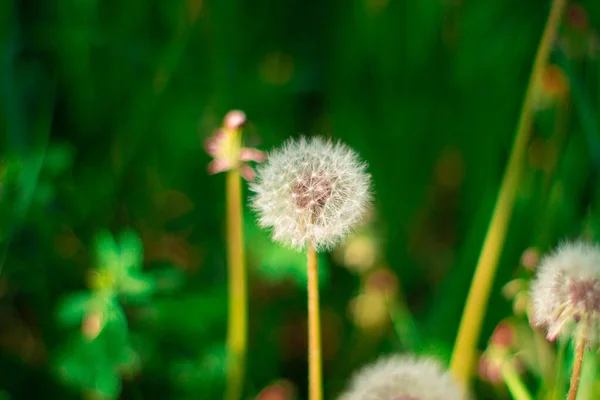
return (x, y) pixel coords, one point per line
(401, 377)
(566, 292)
(311, 190)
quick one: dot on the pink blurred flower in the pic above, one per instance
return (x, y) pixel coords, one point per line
(224, 147)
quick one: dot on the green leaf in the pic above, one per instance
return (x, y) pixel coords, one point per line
(72, 308)
(127, 358)
(80, 360)
(116, 320)
(107, 252)
(108, 382)
(136, 286)
(86, 365)
(131, 251)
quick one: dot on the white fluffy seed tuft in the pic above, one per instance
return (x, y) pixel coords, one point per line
(311, 190)
(566, 292)
(403, 377)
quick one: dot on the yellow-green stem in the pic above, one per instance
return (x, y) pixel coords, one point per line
(463, 355)
(558, 139)
(238, 318)
(515, 385)
(558, 384)
(577, 363)
(315, 385)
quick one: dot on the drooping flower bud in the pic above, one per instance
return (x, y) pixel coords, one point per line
(530, 258)
(225, 147)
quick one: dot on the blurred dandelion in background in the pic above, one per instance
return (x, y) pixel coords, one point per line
(403, 377)
(566, 292)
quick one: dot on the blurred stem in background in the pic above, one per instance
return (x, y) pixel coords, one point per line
(463, 354)
(558, 389)
(314, 327)
(577, 364)
(515, 385)
(228, 155)
(559, 137)
(583, 109)
(404, 323)
(237, 327)
(226, 147)
(238, 307)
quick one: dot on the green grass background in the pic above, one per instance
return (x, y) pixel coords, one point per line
(104, 106)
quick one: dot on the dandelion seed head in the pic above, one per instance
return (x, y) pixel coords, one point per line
(566, 292)
(401, 377)
(311, 190)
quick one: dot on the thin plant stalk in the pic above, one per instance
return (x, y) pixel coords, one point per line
(237, 280)
(404, 323)
(463, 354)
(559, 381)
(314, 327)
(577, 363)
(515, 385)
(559, 135)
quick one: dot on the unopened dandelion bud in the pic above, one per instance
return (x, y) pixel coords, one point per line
(566, 292)
(551, 86)
(530, 258)
(403, 377)
(521, 303)
(514, 287)
(503, 335)
(311, 190)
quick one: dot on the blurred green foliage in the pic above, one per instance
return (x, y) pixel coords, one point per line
(104, 106)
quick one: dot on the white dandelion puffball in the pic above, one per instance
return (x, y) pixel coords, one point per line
(401, 377)
(311, 190)
(566, 292)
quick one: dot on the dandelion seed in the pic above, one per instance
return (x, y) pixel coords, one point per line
(402, 377)
(566, 292)
(311, 190)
